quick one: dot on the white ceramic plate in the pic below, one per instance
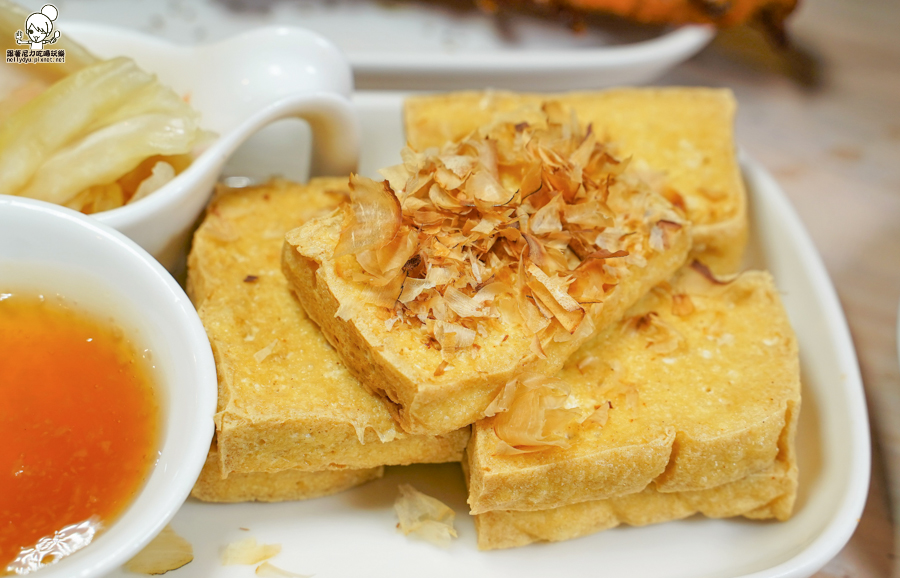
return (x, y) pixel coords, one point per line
(352, 534)
(408, 44)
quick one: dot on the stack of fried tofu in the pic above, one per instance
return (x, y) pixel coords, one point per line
(694, 380)
(292, 421)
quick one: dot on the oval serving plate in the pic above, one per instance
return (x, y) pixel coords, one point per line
(353, 533)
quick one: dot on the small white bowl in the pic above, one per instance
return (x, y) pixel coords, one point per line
(239, 86)
(52, 250)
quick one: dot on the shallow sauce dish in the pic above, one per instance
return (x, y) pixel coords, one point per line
(82, 413)
(833, 448)
(49, 250)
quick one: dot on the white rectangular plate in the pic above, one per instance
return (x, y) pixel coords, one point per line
(353, 533)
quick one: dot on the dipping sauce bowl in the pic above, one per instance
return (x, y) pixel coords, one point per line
(51, 251)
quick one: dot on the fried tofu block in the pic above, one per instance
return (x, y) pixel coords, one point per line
(427, 389)
(284, 486)
(697, 387)
(285, 399)
(685, 135)
(762, 495)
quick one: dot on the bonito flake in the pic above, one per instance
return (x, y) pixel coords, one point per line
(520, 222)
(532, 413)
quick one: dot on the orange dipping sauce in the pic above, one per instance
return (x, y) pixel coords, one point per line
(79, 421)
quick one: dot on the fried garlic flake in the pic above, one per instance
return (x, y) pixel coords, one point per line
(168, 551)
(267, 570)
(424, 516)
(533, 209)
(248, 552)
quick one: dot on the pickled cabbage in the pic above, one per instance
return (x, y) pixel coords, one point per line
(85, 141)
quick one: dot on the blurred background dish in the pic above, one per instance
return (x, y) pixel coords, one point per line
(449, 44)
(64, 255)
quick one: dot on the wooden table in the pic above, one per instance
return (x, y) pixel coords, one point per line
(824, 117)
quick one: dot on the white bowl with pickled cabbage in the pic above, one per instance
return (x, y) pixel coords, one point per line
(138, 134)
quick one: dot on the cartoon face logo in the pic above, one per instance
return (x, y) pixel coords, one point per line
(39, 27)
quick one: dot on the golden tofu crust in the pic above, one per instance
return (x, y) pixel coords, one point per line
(763, 495)
(284, 486)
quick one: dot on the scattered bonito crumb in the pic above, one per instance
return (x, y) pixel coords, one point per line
(532, 413)
(682, 305)
(586, 362)
(662, 337)
(631, 395)
(725, 339)
(168, 551)
(271, 571)
(441, 368)
(265, 352)
(248, 552)
(427, 517)
(600, 414)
